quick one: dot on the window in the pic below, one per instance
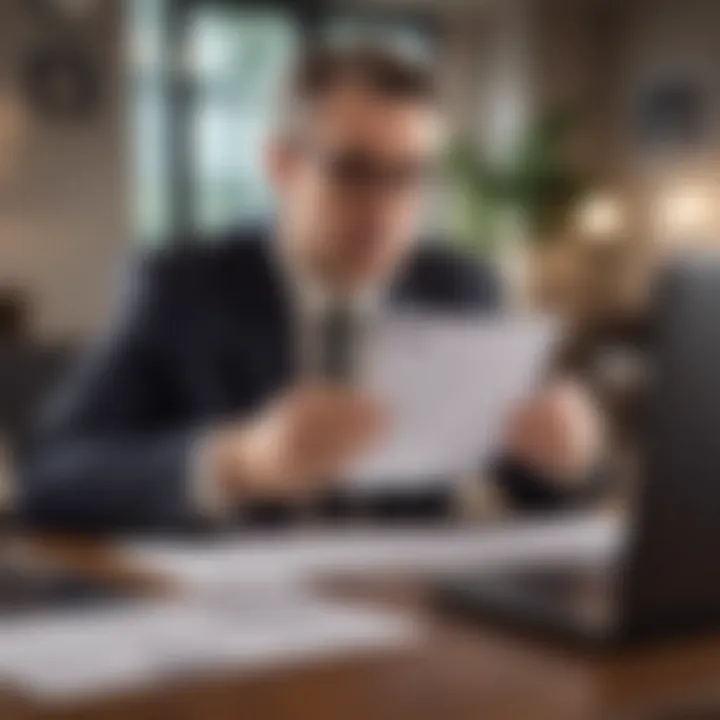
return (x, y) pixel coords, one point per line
(204, 76)
(149, 189)
(239, 57)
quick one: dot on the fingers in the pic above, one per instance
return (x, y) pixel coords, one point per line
(559, 431)
(302, 440)
(333, 426)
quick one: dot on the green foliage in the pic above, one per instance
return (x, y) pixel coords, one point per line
(537, 182)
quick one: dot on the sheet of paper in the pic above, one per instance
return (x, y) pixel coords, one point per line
(65, 657)
(250, 604)
(449, 385)
(287, 560)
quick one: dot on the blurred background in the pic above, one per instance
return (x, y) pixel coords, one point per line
(586, 148)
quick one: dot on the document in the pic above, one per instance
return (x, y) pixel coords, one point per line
(448, 385)
(298, 559)
(59, 657)
(235, 615)
(251, 603)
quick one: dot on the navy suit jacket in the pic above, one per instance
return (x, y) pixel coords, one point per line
(203, 335)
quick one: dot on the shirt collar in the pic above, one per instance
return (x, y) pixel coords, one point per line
(312, 298)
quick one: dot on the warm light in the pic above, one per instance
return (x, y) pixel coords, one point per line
(600, 217)
(685, 212)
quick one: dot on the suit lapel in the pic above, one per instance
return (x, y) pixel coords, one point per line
(274, 326)
(257, 347)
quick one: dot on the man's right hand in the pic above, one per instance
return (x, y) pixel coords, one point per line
(299, 442)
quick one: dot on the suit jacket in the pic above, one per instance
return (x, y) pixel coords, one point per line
(204, 335)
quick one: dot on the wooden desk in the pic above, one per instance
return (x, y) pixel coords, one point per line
(460, 672)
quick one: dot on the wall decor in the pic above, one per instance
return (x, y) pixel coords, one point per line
(61, 82)
(671, 116)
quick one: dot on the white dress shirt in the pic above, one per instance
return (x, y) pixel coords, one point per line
(310, 303)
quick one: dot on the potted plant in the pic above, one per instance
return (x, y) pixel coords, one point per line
(515, 211)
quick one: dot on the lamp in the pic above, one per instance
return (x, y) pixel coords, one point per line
(684, 213)
(599, 217)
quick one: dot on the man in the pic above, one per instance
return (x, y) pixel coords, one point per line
(227, 387)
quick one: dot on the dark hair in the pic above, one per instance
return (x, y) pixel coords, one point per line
(322, 68)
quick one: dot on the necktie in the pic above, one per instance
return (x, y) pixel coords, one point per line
(337, 344)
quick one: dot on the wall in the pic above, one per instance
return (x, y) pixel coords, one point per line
(61, 214)
(666, 39)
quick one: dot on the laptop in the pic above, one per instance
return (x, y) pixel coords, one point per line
(667, 582)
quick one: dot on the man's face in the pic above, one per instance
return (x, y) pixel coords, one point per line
(353, 187)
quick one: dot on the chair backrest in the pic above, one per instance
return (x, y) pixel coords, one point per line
(28, 375)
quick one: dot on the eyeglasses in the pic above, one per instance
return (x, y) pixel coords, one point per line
(358, 171)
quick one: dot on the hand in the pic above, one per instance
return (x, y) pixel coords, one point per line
(296, 444)
(559, 433)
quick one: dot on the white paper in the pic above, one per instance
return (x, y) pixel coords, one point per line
(250, 605)
(72, 656)
(300, 559)
(448, 385)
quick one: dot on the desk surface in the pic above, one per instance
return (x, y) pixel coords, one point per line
(461, 671)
